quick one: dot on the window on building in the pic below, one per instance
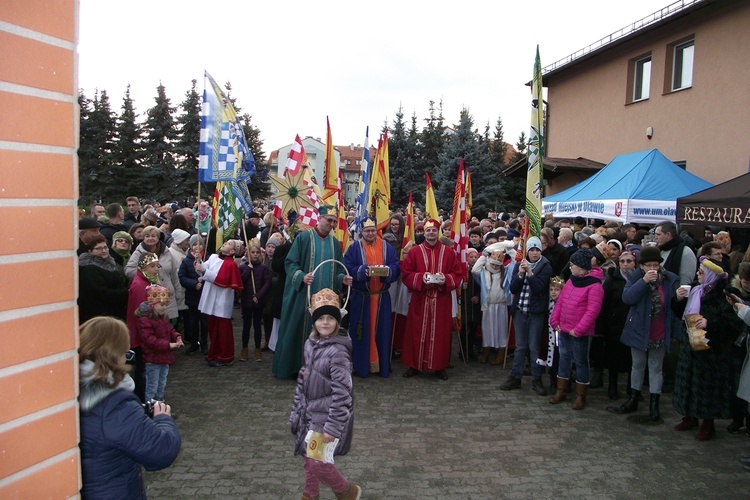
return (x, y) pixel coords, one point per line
(639, 78)
(682, 65)
(642, 79)
(682, 164)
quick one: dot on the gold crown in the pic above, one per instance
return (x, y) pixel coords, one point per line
(325, 297)
(431, 223)
(157, 293)
(146, 259)
(369, 222)
(604, 249)
(556, 281)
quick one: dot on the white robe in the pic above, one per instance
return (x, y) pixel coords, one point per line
(215, 300)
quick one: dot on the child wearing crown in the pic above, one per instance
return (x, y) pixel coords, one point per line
(158, 340)
(323, 400)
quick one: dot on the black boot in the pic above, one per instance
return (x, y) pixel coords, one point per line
(597, 378)
(653, 408)
(612, 391)
(631, 404)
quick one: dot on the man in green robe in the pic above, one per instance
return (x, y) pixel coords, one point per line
(309, 249)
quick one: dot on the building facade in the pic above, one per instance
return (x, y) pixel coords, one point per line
(675, 81)
(39, 455)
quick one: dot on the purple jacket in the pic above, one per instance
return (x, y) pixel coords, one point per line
(262, 276)
(578, 306)
(323, 400)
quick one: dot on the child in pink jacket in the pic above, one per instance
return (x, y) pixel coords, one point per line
(574, 317)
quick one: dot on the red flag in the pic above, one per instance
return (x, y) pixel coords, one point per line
(459, 234)
(295, 159)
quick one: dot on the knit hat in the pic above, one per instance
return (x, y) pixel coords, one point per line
(534, 242)
(195, 239)
(650, 254)
(180, 235)
(274, 239)
(323, 302)
(635, 250)
(146, 259)
(582, 258)
(88, 223)
(156, 294)
(122, 235)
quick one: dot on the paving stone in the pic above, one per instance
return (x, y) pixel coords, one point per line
(424, 438)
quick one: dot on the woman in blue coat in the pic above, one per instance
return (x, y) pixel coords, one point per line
(649, 326)
(117, 437)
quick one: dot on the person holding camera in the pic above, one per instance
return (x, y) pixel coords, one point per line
(117, 437)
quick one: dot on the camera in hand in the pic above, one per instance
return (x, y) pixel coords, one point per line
(148, 408)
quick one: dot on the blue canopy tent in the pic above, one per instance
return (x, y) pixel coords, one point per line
(634, 187)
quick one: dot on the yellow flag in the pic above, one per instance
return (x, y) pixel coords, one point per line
(380, 187)
(430, 206)
(330, 182)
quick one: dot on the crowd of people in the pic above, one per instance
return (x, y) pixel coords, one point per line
(582, 299)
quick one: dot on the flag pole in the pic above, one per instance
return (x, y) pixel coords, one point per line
(249, 262)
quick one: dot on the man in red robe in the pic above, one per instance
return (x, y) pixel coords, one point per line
(431, 271)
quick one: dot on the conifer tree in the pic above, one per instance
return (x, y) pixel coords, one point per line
(405, 176)
(126, 167)
(431, 143)
(187, 146)
(86, 149)
(159, 161)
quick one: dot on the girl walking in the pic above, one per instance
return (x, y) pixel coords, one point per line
(323, 400)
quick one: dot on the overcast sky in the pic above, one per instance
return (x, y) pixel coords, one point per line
(292, 63)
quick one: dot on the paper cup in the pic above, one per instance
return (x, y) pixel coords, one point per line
(686, 288)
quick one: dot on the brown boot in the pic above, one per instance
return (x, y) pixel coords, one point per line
(500, 357)
(305, 496)
(257, 355)
(352, 492)
(561, 393)
(244, 354)
(485, 355)
(580, 402)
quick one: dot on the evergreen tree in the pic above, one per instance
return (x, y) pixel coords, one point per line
(259, 187)
(126, 167)
(160, 181)
(516, 186)
(405, 176)
(86, 150)
(186, 149)
(98, 137)
(431, 143)
(486, 179)
(413, 153)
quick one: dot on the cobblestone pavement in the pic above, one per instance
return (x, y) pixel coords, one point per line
(424, 438)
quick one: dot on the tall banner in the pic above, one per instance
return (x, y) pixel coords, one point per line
(363, 195)
(223, 151)
(535, 153)
(459, 234)
(430, 206)
(380, 187)
(331, 172)
(409, 226)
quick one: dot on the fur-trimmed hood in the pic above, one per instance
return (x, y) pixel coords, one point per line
(93, 392)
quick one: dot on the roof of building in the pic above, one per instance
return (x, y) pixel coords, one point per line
(554, 166)
(663, 16)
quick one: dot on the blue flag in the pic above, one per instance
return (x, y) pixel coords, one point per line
(224, 155)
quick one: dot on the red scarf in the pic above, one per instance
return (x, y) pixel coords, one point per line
(229, 274)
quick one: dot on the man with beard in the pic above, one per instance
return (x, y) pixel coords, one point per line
(430, 271)
(309, 249)
(373, 266)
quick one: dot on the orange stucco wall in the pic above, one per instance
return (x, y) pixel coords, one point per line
(706, 125)
(39, 435)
